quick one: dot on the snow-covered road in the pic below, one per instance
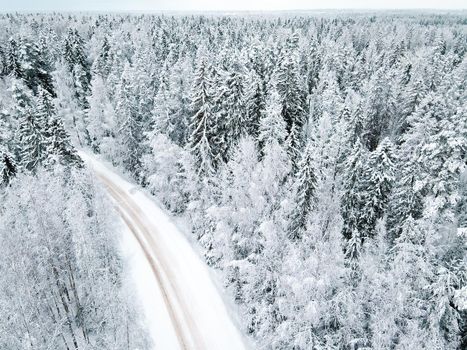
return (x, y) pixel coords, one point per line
(183, 306)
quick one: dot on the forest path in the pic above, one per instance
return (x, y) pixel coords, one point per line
(198, 316)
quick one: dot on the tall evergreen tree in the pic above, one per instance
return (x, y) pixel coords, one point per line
(13, 61)
(130, 131)
(78, 65)
(45, 109)
(31, 139)
(377, 109)
(100, 115)
(305, 188)
(101, 65)
(290, 89)
(35, 69)
(378, 182)
(255, 102)
(8, 168)
(204, 142)
(272, 126)
(351, 204)
(59, 145)
(231, 112)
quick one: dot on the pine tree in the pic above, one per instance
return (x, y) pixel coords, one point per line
(67, 105)
(330, 97)
(356, 123)
(31, 143)
(180, 84)
(305, 188)
(74, 50)
(411, 98)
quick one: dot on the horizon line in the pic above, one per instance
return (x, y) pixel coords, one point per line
(123, 11)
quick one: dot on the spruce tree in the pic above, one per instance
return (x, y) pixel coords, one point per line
(34, 66)
(3, 61)
(255, 102)
(130, 131)
(305, 188)
(100, 115)
(13, 61)
(45, 109)
(31, 139)
(59, 144)
(272, 127)
(405, 201)
(78, 65)
(367, 186)
(102, 64)
(377, 109)
(290, 89)
(377, 186)
(294, 145)
(351, 201)
(231, 113)
(204, 141)
(8, 168)
(82, 86)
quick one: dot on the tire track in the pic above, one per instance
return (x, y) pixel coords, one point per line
(133, 218)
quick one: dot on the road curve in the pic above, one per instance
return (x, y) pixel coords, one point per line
(197, 312)
(136, 221)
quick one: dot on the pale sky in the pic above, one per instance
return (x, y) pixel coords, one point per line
(221, 5)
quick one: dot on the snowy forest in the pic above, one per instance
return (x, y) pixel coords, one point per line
(318, 161)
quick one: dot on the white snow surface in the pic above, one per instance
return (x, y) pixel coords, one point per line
(191, 296)
(157, 320)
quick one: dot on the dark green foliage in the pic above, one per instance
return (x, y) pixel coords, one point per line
(205, 143)
(35, 70)
(8, 168)
(367, 188)
(13, 61)
(306, 184)
(59, 145)
(78, 65)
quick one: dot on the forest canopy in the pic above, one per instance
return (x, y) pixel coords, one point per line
(319, 160)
